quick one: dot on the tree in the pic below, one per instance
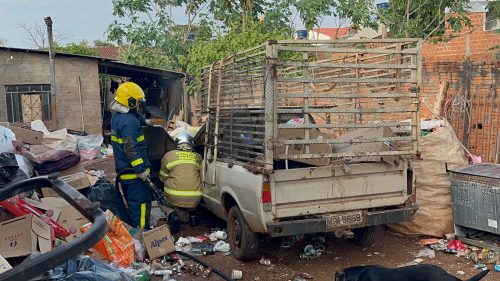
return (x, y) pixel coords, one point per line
(494, 8)
(101, 43)
(357, 12)
(425, 18)
(3, 42)
(36, 35)
(82, 48)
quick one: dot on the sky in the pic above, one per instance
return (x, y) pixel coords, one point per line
(78, 19)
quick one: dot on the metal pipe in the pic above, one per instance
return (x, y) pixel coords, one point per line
(53, 111)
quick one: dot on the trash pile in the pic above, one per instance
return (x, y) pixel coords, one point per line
(482, 257)
(36, 222)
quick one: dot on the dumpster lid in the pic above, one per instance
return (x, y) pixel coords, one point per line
(483, 170)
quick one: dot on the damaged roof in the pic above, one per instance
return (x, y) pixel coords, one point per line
(107, 65)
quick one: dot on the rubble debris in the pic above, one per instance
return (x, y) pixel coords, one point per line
(312, 252)
(426, 253)
(265, 261)
(460, 272)
(456, 245)
(430, 241)
(217, 235)
(305, 275)
(237, 274)
(222, 246)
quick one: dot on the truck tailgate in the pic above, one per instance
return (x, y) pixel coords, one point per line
(319, 190)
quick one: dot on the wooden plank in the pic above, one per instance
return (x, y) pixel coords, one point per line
(346, 80)
(312, 42)
(346, 50)
(348, 65)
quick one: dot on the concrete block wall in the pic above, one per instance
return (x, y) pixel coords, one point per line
(17, 68)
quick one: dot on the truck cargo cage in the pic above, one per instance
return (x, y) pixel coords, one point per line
(314, 102)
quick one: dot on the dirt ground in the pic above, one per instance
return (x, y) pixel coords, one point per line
(339, 254)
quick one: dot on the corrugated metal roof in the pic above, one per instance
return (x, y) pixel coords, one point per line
(103, 60)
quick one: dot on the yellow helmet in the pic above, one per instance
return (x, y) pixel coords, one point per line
(130, 95)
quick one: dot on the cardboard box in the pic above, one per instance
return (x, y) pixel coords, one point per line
(25, 135)
(69, 217)
(50, 211)
(22, 236)
(158, 242)
(75, 176)
(299, 134)
(4, 265)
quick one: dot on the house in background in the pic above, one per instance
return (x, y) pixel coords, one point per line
(108, 52)
(84, 87)
(329, 33)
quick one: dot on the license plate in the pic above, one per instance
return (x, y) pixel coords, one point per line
(344, 219)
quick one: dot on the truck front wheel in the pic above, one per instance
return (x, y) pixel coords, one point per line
(366, 236)
(244, 243)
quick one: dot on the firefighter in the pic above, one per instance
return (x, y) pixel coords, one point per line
(131, 152)
(180, 173)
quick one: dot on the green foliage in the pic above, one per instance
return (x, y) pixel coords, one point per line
(358, 12)
(204, 53)
(82, 48)
(101, 43)
(495, 7)
(424, 18)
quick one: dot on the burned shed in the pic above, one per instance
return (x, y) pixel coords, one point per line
(84, 88)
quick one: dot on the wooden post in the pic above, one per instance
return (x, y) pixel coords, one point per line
(53, 110)
(437, 110)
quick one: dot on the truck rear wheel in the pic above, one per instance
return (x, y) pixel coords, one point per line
(244, 243)
(366, 236)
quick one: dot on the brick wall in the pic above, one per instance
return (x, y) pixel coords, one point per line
(18, 68)
(472, 72)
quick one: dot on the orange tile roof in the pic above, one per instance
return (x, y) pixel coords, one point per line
(108, 52)
(334, 33)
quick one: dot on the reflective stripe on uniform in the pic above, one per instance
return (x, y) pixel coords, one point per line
(143, 215)
(137, 162)
(116, 139)
(120, 140)
(131, 176)
(163, 174)
(177, 162)
(184, 193)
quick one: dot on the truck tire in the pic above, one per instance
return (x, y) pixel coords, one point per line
(244, 243)
(366, 236)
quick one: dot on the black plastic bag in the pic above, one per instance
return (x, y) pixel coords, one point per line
(109, 198)
(8, 166)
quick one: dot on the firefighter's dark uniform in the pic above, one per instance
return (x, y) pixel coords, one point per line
(130, 151)
(180, 172)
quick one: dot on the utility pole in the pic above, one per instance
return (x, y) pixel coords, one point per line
(53, 111)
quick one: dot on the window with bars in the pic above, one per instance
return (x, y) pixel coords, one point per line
(26, 103)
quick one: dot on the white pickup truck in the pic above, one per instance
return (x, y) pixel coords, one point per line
(311, 137)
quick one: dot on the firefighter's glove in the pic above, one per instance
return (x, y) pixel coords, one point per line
(144, 175)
